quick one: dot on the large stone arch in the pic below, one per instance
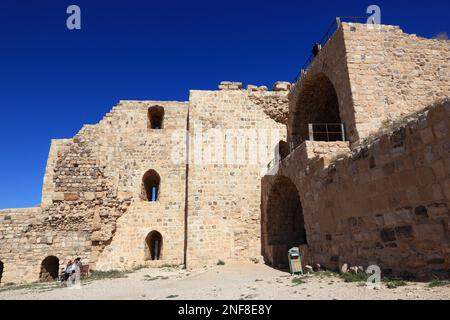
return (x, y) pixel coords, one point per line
(282, 221)
(316, 103)
(330, 64)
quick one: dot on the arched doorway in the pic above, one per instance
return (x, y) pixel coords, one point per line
(49, 269)
(156, 117)
(1, 271)
(154, 245)
(284, 224)
(317, 115)
(150, 186)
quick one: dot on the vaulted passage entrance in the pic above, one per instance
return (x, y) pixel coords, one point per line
(317, 114)
(284, 225)
(49, 269)
(154, 242)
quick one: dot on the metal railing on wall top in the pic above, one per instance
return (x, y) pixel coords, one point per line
(319, 45)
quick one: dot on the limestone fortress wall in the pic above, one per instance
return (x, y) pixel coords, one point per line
(94, 202)
(378, 73)
(129, 191)
(385, 204)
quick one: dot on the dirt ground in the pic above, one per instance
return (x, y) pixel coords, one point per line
(228, 282)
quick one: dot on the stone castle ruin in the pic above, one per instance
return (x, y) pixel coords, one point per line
(361, 174)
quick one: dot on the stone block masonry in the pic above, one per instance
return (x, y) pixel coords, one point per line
(95, 203)
(224, 200)
(385, 204)
(393, 74)
(139, 189)
(28, 236)
(367, 76)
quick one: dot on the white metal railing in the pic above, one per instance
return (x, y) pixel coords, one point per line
(326, 132)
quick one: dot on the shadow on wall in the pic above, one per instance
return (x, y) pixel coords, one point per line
(1, 271)
(284, 225)
(317, 104)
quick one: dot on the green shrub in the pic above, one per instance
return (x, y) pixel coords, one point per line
(438, 283)
(395, 283)
(355, 277)
(297, 281)
(32, 286)
(112, 274)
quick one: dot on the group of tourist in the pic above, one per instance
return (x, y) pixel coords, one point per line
(72, 268)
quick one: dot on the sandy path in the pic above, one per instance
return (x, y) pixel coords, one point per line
(230, 282)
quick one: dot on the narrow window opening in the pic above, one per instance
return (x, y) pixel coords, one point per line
(150, 186)
(154, 242)
(156, 117)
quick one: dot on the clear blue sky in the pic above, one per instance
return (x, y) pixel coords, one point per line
(52, 80)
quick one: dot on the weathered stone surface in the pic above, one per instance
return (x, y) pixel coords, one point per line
(228, 85)
(375, 85)
(386, 217)
(281, 86)
(382, 197)
(387, 235)
(71, 197)
(438, 210)
(404, 232)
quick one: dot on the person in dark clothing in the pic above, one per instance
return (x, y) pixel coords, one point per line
(67, 271)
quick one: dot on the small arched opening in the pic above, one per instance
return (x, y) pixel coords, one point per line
(150, 186)
(154, 244)
(1, 270)
(156, 117)
(317, 115)
(284, 224)
(49, 269)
